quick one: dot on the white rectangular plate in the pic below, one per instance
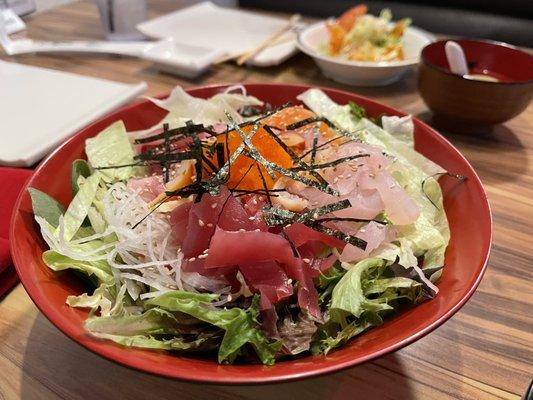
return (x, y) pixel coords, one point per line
(40, 108)
(230, 30)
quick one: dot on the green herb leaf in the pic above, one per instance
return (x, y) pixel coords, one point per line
(46, 207)
(357, 112)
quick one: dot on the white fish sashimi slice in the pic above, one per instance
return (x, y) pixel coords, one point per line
(374, 235)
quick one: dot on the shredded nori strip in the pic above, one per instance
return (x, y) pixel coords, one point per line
(253, 111)
(325, 144)
(460, 178)
(208, 162)
(328, 219)
(220, 154)
(329, 123)
(351, 239)
(165, 163)
(122, 165)
(150, 212)
(163, 155)
(266, 115)
(315, 143)
(333, 163)
(271, 167)
(289, 217)
(304, 122)
(222, 176)
(265, 186)
(183, 131)
(276, 216)
(294, 157)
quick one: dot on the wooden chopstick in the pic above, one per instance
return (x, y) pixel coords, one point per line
(270, 40)
(230, 57)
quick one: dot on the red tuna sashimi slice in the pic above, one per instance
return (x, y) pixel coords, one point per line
(268, 278)
(247, 247)
(250, 247)
(223, 210)
(179, 219)
(300, 234)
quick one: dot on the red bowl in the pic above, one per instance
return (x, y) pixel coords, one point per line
(466, 258)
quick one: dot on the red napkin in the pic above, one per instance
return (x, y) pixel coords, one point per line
(11, 182)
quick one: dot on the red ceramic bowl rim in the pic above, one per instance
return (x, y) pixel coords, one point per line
(424, 59)
(326, 366)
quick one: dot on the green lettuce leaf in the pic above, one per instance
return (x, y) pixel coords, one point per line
(348, 296)
(152, 322)
(80, 205)
(149, 342)
(183, 107)
(240, 325)
(330, 336)
(322, 105)
(327, 282)
(363, 296)
(100, 301)
(79, 168)
(98, 222)
(99, 270)
(111, 147)
(46, 207)
(151, 329)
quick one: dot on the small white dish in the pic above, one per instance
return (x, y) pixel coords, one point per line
(231, 31)
(362, 73)
(176, 58)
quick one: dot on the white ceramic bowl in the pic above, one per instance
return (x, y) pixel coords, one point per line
(362, 73)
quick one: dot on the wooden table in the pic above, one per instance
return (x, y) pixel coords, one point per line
(484, 352)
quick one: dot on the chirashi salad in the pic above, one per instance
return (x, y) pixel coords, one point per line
(249, 233)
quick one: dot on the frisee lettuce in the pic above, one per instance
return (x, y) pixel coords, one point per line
(241, 326)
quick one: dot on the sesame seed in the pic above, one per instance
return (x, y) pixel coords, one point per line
(229, 297)
(192, 259)
(289, 281)
(349, 176)
(209, 225)
(335, 180)
(200, 222)
(214, 205)
(251, 218)
(306, 260)
(341, 176)
(257, 230)
(202, 256)
(242, 230)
